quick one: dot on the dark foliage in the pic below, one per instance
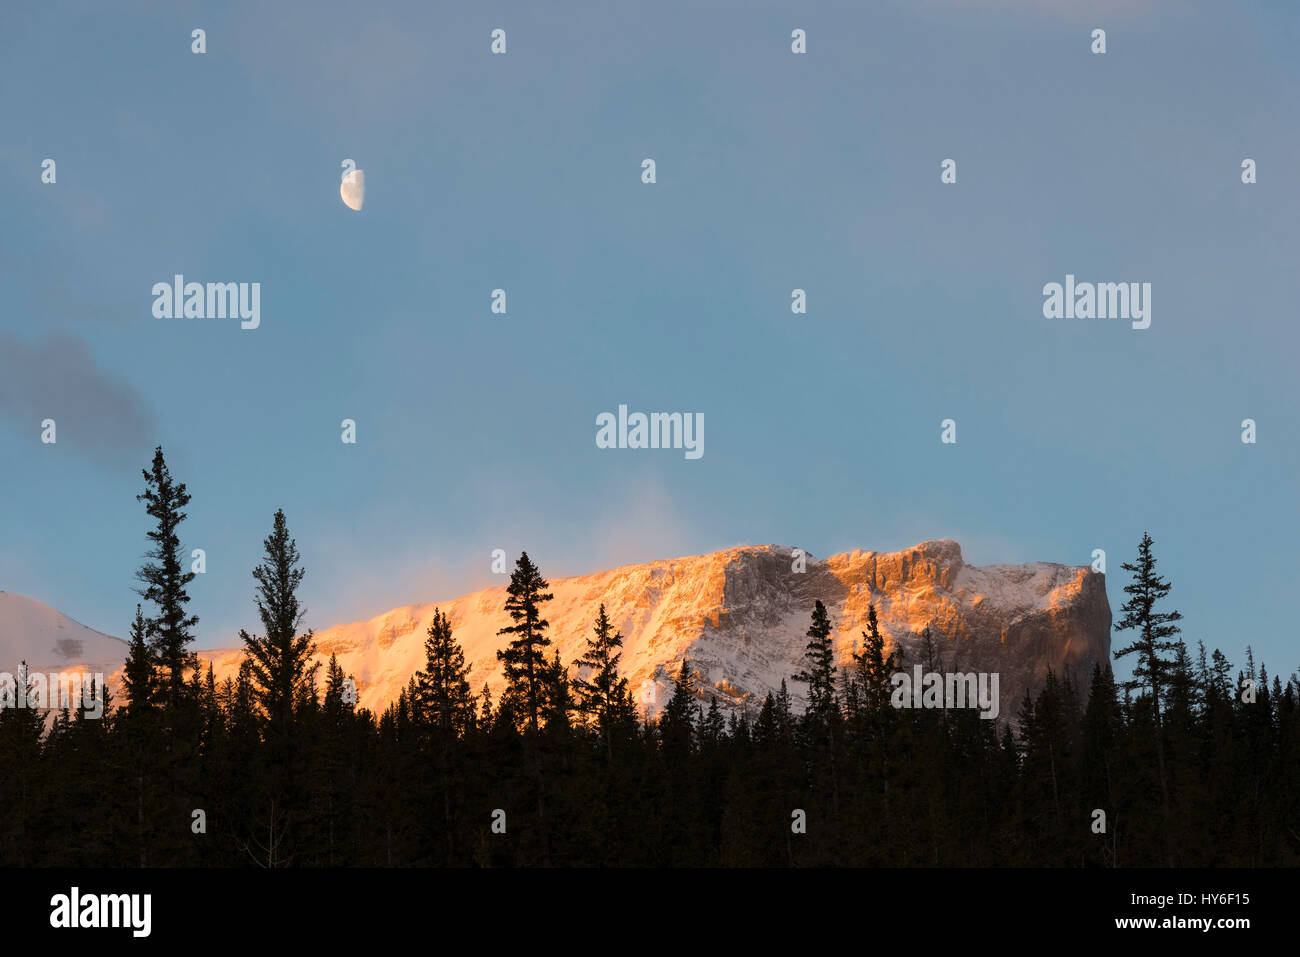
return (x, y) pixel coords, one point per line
(1189, 767)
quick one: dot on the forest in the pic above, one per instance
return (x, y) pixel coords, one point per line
(1191, 762)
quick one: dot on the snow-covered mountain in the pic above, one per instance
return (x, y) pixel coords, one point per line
(51, 642)
(740, 615)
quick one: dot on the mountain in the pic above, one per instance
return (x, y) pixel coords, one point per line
(51, 642)
(740, 616)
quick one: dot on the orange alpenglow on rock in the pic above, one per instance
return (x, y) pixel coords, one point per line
(1014, 620)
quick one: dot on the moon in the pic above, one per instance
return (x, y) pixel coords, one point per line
(353, 189)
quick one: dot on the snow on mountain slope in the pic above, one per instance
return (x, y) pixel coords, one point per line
(740, 616)
(51, 642)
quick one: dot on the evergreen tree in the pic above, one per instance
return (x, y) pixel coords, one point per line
(874, 667)
(164, 579)
(677, 723)
(524, 659)
(1155, 629)
(341, 787)
(784, 710)
(822, 719)
(819, 673)
(559, 697)
(1154, 639)
(335, 706)
(713, 729)
(1183, 695)
(1221, 676)
(1101, 726)
(603, 697)
(766, 728)
(442, 688)
(138, 676)
(279, 660)
(21, 797)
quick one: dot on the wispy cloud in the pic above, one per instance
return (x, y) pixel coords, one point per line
(103, 418)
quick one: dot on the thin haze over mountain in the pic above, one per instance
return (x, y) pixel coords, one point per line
(737, 616)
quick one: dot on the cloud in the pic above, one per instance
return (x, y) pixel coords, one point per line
(103, 418)
(645, 524)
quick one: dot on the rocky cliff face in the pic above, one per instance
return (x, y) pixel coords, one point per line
(739, 616)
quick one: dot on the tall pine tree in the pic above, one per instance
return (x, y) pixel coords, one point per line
(1155, 629)
(442, 688)
(1154, 640)
(524, 659)
(819, 673)
(279, 660)
(138, 674)
(603, 696)
(164, 579)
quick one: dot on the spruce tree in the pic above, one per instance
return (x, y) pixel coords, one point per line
(282, 676)
(245, 692)
(784, 714)
(1155, 629)
(334, 684)
(1100, 728)
(442, 688)
(440, 695)
(714, 728)
(1183, 694)
(524, 659)
(21, 729)
(819, 673)
(138, 676)
(874, 670)
(874, 667)
(767, 727)
(677, 724)
(559, 697)
(279, 660)
(1154, 640)
(603, 698)
(164, 579)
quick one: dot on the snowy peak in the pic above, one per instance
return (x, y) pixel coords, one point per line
(739, 616)
(51, 642)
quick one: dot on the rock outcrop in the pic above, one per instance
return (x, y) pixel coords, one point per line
(739, 616)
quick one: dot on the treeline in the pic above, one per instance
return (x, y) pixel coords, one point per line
(1187, 764)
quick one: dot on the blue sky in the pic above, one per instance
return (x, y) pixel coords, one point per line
(775, 171)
